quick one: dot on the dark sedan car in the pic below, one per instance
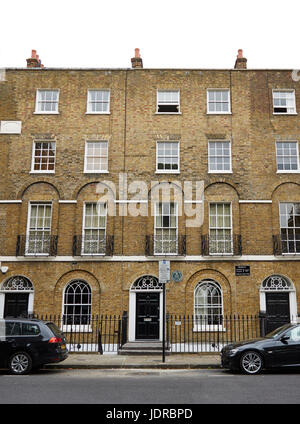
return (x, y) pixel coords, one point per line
(280, 348)
(26, 344)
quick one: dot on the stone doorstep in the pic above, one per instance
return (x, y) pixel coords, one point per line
(142, 352)
(143, 347)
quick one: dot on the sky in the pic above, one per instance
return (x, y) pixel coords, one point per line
(169, 33)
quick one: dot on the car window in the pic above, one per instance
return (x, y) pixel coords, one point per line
(29, 329)
(13, 328)
(2, 329)
(294, 334)
(8, 328)
(277, 331)
(55, 330)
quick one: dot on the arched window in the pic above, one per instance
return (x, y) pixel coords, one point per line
(147, 282)
(208, 303)
(77, 303)
(276, 283)
(18, 283)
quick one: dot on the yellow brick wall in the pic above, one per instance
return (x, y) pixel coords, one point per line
(132, 129)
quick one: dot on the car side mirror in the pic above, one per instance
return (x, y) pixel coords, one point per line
(283, 339)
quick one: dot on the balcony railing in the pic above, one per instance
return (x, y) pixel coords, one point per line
(36, 245)
(227, 246)
(158, 245)
(282, 246)
(91, 246)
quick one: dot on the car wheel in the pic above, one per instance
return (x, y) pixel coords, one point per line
(20, 363)
(251, 362)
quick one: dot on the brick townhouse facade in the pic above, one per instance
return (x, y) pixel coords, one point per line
(69, 136)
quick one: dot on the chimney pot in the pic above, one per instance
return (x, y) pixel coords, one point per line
(241, 61)
(34, 61)
(137, 61)
(240, 54)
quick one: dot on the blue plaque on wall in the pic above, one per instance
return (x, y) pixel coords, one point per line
(176, 276)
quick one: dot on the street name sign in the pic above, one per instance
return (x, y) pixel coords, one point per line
(164, 271)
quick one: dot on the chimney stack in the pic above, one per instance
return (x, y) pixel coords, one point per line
(241, 61)
(34, 61)
(137, 61)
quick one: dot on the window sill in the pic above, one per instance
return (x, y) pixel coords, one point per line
(208, 328)
(46, 113)
(93, 254)
(96, 172)
(97, 113)
(294, 113)
(168, 113)
(290, 254)
(288, 172)
(218, 113)
(46, 255)
(167, 172)
(221, 254)
(42, 172)
(219, 172)
(167, 254)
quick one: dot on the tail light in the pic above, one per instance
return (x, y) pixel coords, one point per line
(55, 340)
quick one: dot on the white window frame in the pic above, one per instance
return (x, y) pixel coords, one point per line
(37, 101)
(168, 171)
(83, 328)
(88, 171)
(218, 112)
(208, 327)
(221, 228)
(42, 171)
(92, 228)
(168, 103)
(224, 171)
(88, 109)
(288, 171)
(294, 252)
(165, 228)
(287, 90)
(28, 229)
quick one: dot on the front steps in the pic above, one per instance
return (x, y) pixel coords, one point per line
(144, 347)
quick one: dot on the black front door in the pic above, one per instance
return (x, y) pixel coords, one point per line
(277, 309)
(16, 305)
(147, 316)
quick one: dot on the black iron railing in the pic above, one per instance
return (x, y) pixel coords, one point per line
(193, 334)
(36, 245)
(284, 246)
(226, 246)
(88, 245)
(100, 333)
(161, 245)
(184, 333)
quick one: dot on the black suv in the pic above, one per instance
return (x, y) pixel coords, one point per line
(30, 343)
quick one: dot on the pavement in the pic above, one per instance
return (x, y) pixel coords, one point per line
(113, 361)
